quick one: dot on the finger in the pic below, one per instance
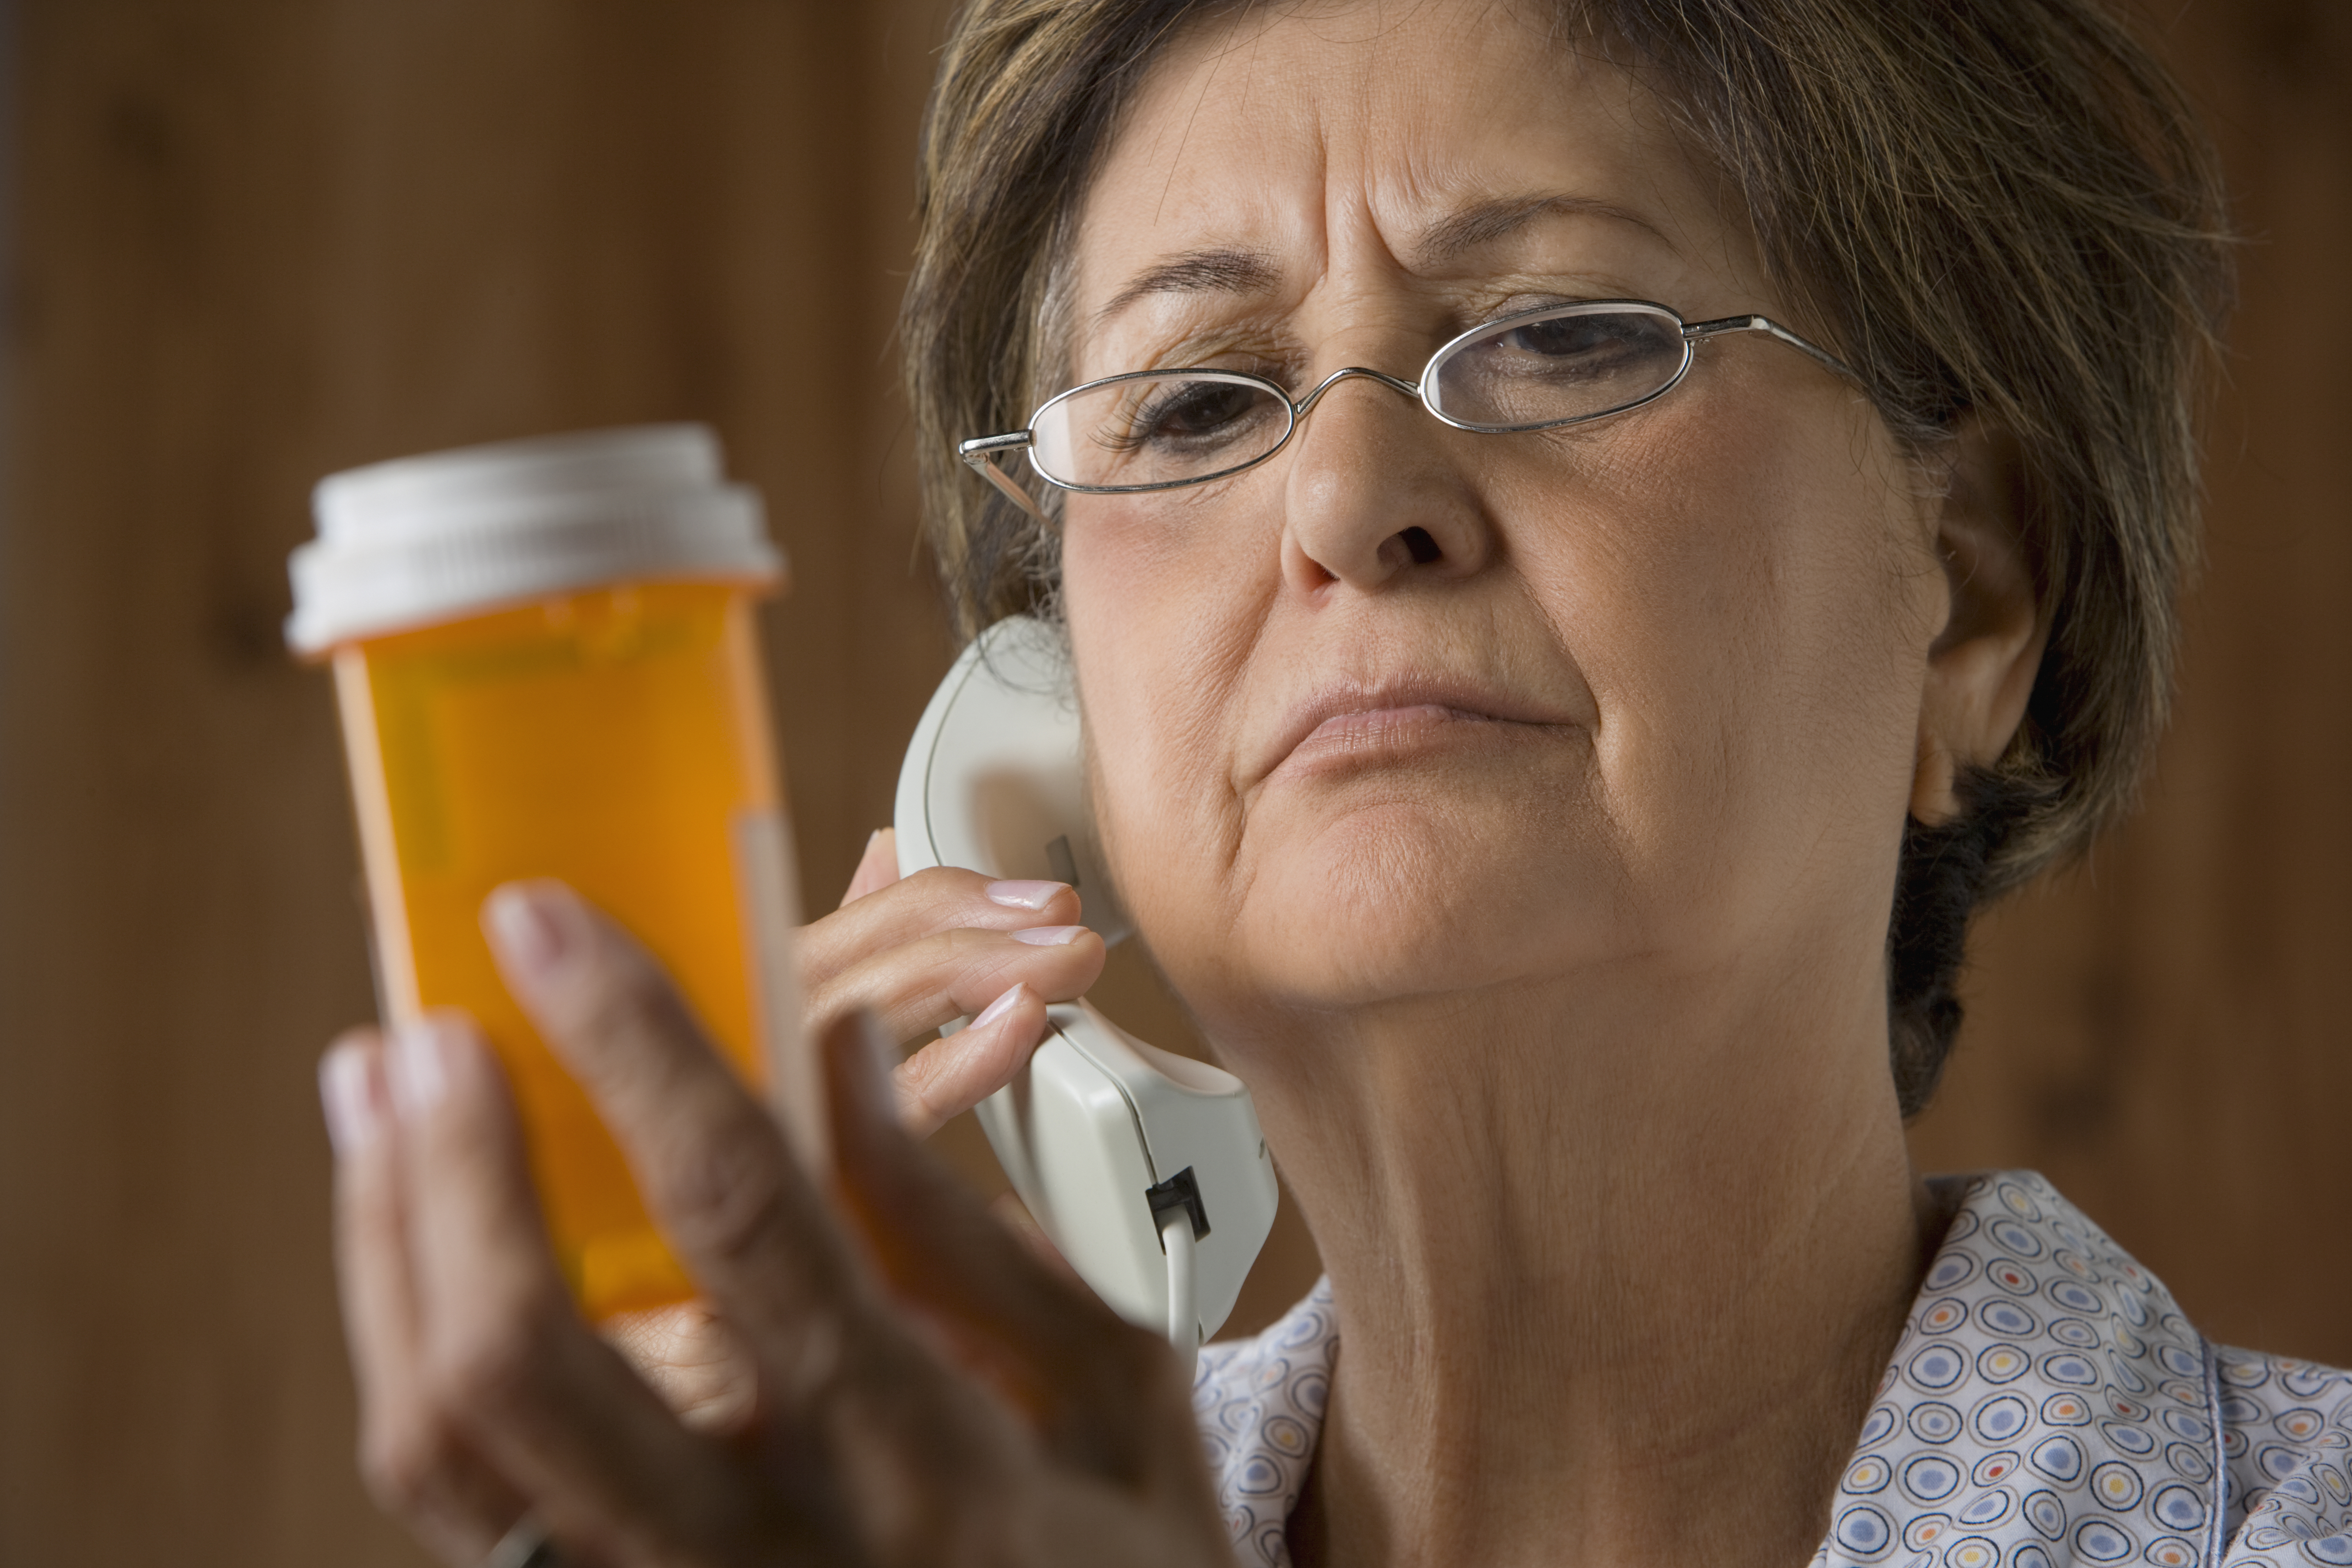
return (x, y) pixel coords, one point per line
(417, 1467)
(693, 1359)
(713, 1165)
(505, 1353)
(877, 868)
(940, 899)
(1103, 1395)
(915, 988)
(370, 1249)
(956, 1072)
(758, 1238)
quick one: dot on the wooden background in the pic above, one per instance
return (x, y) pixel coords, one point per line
(258, 241)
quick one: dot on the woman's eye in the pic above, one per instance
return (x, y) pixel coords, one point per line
(1594, 339)
(1193, 410)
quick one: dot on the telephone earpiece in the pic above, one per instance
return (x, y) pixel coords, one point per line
(1146, 1168)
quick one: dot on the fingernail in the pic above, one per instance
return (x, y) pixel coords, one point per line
(348, 1098)
(419, 1065)
(1024, 895)
(527, 934)
(1001, 1007)
(1050, 936)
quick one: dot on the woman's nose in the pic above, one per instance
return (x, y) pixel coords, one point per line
(1370, 498)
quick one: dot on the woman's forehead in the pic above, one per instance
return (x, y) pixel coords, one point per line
(1452, 138)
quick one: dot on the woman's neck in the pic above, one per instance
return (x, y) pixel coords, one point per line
(1616, 1276)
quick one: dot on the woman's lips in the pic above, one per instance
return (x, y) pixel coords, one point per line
(1340, 728)
(1380, 729)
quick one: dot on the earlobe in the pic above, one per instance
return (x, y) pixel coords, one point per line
(1982, 666)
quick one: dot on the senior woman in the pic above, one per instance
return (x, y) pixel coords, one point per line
(1684, 500)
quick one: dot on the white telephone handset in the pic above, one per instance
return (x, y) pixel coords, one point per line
(1147, 1169)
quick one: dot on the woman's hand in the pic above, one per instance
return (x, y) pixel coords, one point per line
(941, 944)
(915, 953)
(927, 1391)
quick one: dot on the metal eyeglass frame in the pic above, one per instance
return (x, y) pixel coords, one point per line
(981, 451)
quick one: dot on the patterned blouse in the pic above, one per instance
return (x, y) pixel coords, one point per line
(2047, 1406)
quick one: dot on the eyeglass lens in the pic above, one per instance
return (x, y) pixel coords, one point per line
(1183, 426)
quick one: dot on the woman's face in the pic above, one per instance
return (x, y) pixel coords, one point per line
(1407, 709)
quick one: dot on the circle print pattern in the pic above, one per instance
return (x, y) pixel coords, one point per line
(2076, 1298)
(2033, 1411)
(1934, 1422)
(1880, 1426)
(2002, 1364)
(2047, 1409)
(2096, 1541)
(2075, 1332)
(1865, 1531)
(1931, 1478)
(1866, 1475)
(1259, 1403)
(2002, 1418)
(1952, 1268)
(1923, 1532)
(2010, 1276)
(2117, 1484)
(1938, 1367)
(2008, 1318)
(2065, 1410)
(2015, 1238)
(2179, 1507)
(1993, 1470)
(2060, 1459)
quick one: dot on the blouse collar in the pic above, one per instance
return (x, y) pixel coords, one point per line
(2047, 1406)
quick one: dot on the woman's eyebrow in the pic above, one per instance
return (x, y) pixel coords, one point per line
(1214, 271)
(1472, 227)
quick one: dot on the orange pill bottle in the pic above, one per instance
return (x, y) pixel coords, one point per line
(547, 665)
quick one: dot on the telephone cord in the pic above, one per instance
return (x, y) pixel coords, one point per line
(1183, 1305)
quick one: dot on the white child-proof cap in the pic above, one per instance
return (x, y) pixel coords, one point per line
(420, 540)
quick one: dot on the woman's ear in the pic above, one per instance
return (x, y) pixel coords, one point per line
(1982, 666)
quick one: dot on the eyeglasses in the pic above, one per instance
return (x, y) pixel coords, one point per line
(1540, 370)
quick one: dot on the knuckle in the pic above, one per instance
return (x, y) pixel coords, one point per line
(725, 1193)
(945, 883)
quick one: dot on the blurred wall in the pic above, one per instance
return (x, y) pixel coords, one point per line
(262, 240)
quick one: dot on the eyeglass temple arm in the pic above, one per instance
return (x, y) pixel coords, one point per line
(981, 451)
(1700, 331)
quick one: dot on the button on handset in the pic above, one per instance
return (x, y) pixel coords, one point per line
(1147, 1169)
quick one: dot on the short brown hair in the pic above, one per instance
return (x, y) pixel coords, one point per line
(1996, 205)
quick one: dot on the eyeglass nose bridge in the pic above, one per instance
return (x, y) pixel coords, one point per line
(1299, 409)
